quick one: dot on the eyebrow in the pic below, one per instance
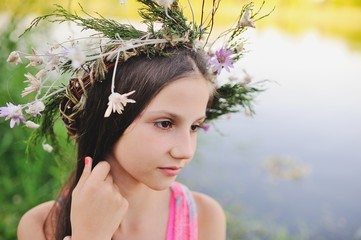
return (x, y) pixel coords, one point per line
(174, 115)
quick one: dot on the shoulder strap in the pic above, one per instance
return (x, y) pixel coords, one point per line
(182, 222)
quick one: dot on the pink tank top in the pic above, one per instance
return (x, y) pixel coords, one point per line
(182, 220)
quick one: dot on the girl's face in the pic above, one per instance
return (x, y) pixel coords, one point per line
(162, 139)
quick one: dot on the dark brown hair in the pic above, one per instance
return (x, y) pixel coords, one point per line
(96, 135)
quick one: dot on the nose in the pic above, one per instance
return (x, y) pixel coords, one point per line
(184, 146)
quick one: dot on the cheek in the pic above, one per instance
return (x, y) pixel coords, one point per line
(141, 145)
(153, 146)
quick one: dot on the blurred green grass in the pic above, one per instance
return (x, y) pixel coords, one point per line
(25, 181)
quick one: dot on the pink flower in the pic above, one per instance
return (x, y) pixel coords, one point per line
(221, 60)
(12, 112)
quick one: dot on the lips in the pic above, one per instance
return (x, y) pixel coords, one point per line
(170, 171)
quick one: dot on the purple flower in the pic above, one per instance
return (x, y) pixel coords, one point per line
(12, 112)
(206, 127)
(221, 60)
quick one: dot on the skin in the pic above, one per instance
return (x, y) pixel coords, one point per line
(127, 196)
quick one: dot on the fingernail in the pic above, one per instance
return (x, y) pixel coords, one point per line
(87, 160)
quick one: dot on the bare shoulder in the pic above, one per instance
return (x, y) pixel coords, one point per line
(211, 218)
(31, 225)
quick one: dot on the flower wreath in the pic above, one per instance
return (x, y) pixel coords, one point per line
(114, 43)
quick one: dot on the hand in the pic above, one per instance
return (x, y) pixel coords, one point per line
(97, 207)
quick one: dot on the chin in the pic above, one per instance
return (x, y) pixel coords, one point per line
(161, 186)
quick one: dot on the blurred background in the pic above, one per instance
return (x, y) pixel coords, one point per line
(292, 171)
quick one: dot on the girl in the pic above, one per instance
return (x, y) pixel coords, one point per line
(131, 193)
(133, 107)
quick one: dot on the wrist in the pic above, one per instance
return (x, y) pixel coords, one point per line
(86, 236)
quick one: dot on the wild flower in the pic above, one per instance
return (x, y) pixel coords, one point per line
(34, 85)
(164, 3)
(206, 127)
(52, 63)
(76, 56)
(47, 147)
(247, 78)
(35, 59)
(41, 74)
(13, 112)
(117, 102)
(35, 108)
(222, 59)
(14, 57)
(247, 20)
(31, 124)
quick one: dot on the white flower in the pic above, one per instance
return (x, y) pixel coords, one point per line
(246, 20)
(117, 102)
(199, 44)
(247, 78)
(35, 59)
(240, 47)
(164, 3)
(122, 2)
(36, 108)
(47, 147)
(41, 74)
(31, 124)
(52, 63)
(233, 78)
(14, 57)
(76, 56)
(34, 84)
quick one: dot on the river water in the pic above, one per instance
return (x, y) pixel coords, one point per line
(294, 167)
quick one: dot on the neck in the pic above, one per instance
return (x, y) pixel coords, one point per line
(144, 202)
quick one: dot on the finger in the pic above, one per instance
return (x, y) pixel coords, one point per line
(116, 188)
(86, 171)
(100, 171)
(109, 179)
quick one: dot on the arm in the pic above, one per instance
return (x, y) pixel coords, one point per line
(211, 218)
(31, 225)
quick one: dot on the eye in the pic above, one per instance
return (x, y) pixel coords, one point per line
(195, 127)
(166, 124)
